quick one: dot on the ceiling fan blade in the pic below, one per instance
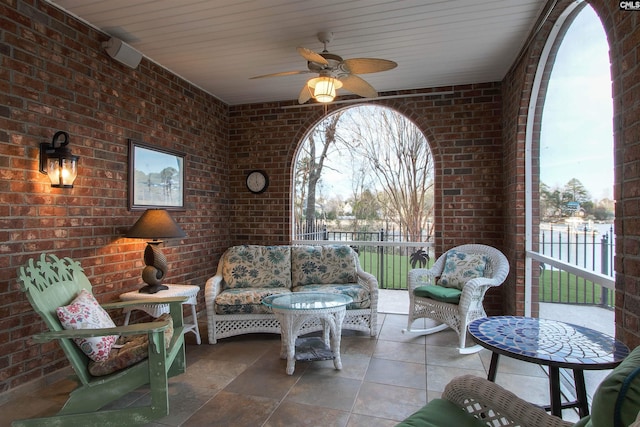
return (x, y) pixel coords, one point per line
(305, 95)
(358, 86)
(312, 56)
(368, 65)
(284, 73)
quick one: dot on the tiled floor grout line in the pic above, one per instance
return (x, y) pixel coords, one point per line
(365, 384)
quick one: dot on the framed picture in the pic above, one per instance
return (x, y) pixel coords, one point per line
(156, 177)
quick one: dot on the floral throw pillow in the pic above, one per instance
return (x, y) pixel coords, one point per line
(255, 266)
(460, 267)
(323, 264)
(84, 312)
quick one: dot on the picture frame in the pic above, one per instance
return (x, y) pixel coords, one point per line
(156, 177)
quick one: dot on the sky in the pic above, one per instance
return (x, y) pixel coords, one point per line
(577, 125)
(149, 161)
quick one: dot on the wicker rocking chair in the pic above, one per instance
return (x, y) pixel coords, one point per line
(454, 308)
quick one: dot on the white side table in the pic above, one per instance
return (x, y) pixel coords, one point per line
(190, 291)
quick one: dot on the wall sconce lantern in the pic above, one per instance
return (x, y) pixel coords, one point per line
(57, 162)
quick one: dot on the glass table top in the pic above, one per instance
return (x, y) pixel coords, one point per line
(306, 301)
(548, 342)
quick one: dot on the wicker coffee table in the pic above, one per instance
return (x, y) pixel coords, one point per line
(299, 308)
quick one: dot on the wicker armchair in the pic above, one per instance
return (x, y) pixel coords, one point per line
(472, 401)
(459, 313)
(496, 406)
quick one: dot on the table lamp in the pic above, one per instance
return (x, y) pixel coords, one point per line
(154, 224)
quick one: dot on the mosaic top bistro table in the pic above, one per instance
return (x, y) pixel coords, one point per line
(295, 310)
(551, 343)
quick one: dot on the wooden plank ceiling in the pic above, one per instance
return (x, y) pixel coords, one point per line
(219, 44)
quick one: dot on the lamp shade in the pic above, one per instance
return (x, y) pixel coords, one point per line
(323, 89)
(155, 224)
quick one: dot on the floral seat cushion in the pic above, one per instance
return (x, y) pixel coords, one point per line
(323, 264)
(254, 266)
(244, 300)
(128, 351)
(358, 293)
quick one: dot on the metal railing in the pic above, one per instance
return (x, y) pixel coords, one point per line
(573, 267)
(576, 266)
(384, 253)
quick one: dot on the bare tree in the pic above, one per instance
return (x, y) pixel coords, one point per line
(301, 178)
(389, 159)
(401, 161)
(166, 176)
(311, 161)
(359, 176)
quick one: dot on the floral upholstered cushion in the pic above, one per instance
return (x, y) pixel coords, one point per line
(85, 312)
(358, 293)
(245, 300)
(254, 266)
(460, 267)
(133, 350)
(330, 264)
(168, 333)
(128, 351)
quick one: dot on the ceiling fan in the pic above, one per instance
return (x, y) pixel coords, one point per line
(335, 73)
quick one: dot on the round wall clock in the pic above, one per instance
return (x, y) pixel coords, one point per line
(257, 181)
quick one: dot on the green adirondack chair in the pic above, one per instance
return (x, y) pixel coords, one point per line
(50, 282)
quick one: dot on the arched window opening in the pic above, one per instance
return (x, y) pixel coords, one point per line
(572, 240)
(364, 175)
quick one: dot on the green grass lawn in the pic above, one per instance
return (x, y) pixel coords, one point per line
(394, 269)
(554, 286)
(560, 286)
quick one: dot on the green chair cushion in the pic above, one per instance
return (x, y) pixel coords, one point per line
(604, 399)
(583, 422)
(441, 413)
(438, 293)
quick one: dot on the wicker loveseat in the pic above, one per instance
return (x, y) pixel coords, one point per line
(248, 273)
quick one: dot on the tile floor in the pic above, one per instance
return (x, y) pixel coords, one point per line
(241, 381)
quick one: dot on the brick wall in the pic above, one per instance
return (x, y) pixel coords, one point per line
(623, 33)
(55, 76)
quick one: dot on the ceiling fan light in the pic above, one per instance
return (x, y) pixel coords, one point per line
(323, 89)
